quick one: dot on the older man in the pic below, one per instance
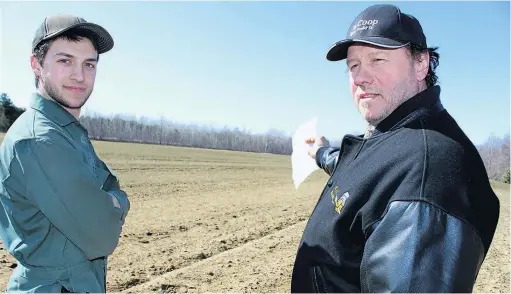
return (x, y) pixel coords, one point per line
(62, 209)
(408, 206)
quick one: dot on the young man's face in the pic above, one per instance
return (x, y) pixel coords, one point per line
(68, 72)
(382, 79)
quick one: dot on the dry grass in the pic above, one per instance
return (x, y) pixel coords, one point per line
(221, 221)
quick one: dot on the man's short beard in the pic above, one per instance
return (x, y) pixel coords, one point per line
(401, 92)
(55, 95)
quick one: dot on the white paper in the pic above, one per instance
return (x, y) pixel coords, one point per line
(302, 163)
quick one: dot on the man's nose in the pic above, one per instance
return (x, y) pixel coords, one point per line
(362, 76)
(78, 74)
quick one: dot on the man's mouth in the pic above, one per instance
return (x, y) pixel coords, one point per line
(368, 95)
(75, 89)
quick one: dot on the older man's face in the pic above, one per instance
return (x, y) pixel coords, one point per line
(381, 79)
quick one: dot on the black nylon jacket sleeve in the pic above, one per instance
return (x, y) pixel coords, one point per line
(417, 247)
(327, 158)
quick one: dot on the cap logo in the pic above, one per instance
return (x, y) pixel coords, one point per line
(363, 25)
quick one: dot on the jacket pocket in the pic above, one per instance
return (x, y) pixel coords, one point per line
(318, 281)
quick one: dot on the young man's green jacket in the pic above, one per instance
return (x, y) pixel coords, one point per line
(57, 213)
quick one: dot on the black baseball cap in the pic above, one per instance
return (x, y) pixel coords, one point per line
(382, 25)
(55, 25)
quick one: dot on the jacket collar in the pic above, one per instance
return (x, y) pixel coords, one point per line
(52, 110)
(420, 105)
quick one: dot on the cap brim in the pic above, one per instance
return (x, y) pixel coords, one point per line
(339, 50)
(104, 40)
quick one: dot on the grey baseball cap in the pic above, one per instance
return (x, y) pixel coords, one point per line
(55, 25)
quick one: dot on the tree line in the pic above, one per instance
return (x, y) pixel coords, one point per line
(495, 151)
(495, 154)
(122, 128)
(126, 129)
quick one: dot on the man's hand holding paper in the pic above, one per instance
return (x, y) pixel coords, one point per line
(320, 142)
(305, 147)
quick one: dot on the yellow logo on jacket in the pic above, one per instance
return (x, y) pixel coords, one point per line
(338, 201)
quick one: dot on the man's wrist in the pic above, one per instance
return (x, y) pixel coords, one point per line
(319, 155)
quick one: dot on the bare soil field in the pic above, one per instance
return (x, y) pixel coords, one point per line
(223, 221)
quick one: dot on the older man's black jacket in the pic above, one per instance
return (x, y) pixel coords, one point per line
(409, 209)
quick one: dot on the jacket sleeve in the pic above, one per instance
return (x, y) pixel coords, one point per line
(326, 158)
(416, 247)
(70, 195)
(112, 186)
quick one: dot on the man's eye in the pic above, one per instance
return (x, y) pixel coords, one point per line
(90, 65)
(63, 60)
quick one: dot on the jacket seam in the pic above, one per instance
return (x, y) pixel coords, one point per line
(423, 184)
(336, 161)
(11, 159)
(358, 152)
(33, 124)
(433, 205)
(425, 161)
(315, 279)
(366, 282)
(430, 203)
(15, 226)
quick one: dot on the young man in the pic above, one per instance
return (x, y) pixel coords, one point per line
(62, 209)
(408, 206)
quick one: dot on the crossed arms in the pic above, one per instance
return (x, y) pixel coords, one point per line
(77, 201)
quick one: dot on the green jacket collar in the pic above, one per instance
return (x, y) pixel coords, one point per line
(52, 110)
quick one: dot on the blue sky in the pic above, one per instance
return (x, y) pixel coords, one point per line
(261, 65)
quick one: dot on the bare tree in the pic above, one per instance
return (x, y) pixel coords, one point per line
(130, 129)
(4, 122)
(495, 155)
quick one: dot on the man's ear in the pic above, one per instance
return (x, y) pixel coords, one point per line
(36, 67)
(422, 66)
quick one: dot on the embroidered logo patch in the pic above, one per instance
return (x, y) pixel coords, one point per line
(84, 140)
(339, 201)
